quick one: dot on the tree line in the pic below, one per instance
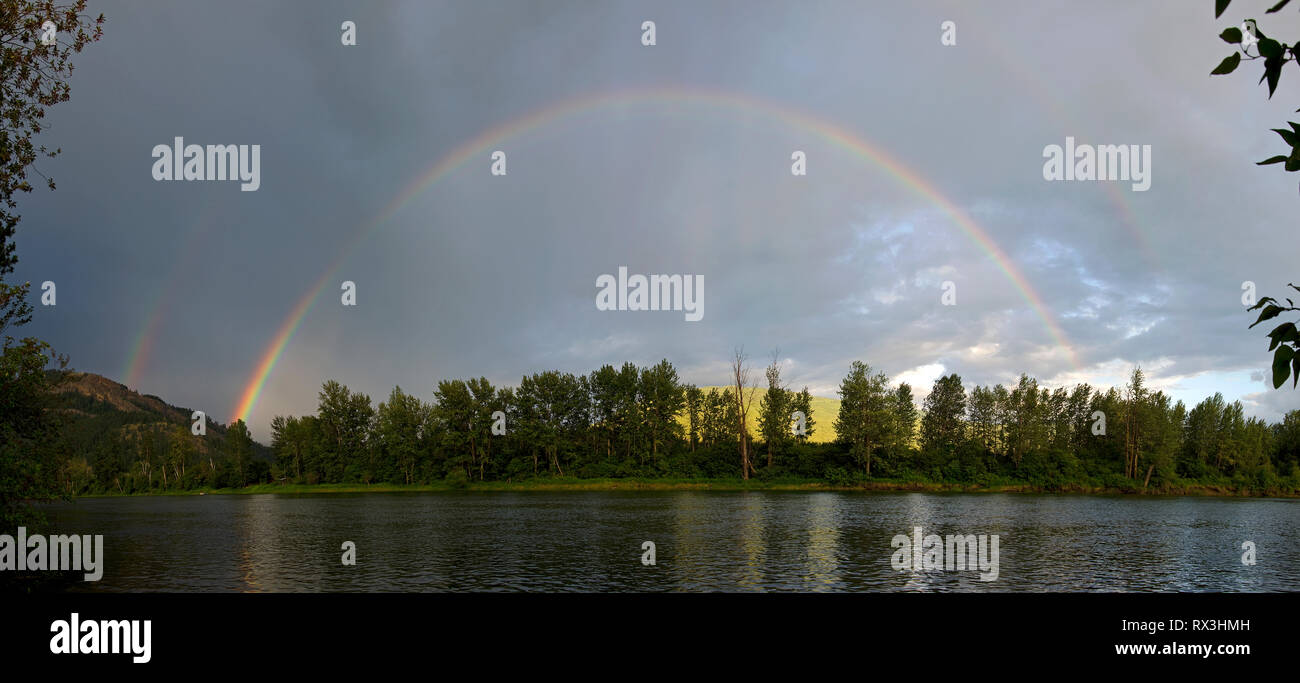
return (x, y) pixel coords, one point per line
(633, 421)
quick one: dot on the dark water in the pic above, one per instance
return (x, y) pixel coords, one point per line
(705, 541)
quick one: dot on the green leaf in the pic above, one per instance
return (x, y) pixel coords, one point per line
(1228, 65)
(1272, 71)
(1271, 160)
(1287, 135)
(1282, 365)
(1295, 369)
(1270, 48)
(1293, 163)
(1219, 6)
(1271, 311)
(1277, 7)
(1261, 303)
(1231, 35)
(1286, 332)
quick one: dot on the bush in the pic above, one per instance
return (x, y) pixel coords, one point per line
(457, 479)
(838, 476)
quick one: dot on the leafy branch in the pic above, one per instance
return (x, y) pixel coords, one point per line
(1286, 339)
(1275, 54)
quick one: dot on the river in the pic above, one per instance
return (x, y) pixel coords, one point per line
(703, 541)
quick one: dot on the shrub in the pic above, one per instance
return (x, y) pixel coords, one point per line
(457, 478)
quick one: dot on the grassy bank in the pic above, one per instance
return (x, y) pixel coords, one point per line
(632, 484)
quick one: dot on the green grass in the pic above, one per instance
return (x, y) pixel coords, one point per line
(669, 484)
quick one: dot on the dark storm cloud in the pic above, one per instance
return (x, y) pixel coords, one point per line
(495, 276)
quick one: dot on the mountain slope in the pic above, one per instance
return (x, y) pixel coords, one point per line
(95, 409)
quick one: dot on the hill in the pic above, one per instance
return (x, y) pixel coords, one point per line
(96, 410)
(824, 411)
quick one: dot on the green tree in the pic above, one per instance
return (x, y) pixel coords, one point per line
(553, 410)
(1078, 407)
(291, 443)
(715, 426)
(455, 413)
(604, 385)
(1022, 418)
(345, 419)
(33, 77)
(627, 409)
(662, 398)
(240, 445)
(400, 424)
(982, 416)
(942, 428)
(774, 411)
(1286, 440)
(180, 452)
(1137, 409)
(802, 402)
(484, 398)
(694, 414)
(903, 406)
(864, 419)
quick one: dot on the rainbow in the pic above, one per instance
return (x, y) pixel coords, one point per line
(142, 349)
(478, 147)
(1046, 95)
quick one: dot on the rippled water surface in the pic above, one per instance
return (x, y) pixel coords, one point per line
(705, 541)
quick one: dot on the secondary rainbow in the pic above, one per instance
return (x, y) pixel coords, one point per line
(1047, 94)
(478, 147)
(142, 349)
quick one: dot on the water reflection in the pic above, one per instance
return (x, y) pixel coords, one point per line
(750, 519)
(706, 541)
(691, 539)
(823, 542)
(920, 514)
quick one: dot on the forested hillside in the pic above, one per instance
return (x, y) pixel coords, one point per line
(117, 440)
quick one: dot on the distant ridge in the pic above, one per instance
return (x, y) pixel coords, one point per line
(824, 412)
(93, 407)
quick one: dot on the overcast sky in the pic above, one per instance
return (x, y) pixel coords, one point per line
(495, 276)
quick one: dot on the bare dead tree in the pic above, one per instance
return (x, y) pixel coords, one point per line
(744, 399)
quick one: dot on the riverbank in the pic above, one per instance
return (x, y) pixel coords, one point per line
(573, 484)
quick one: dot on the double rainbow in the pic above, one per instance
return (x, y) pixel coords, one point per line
(478, 148)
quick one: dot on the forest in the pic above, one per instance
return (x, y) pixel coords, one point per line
(643, 422)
